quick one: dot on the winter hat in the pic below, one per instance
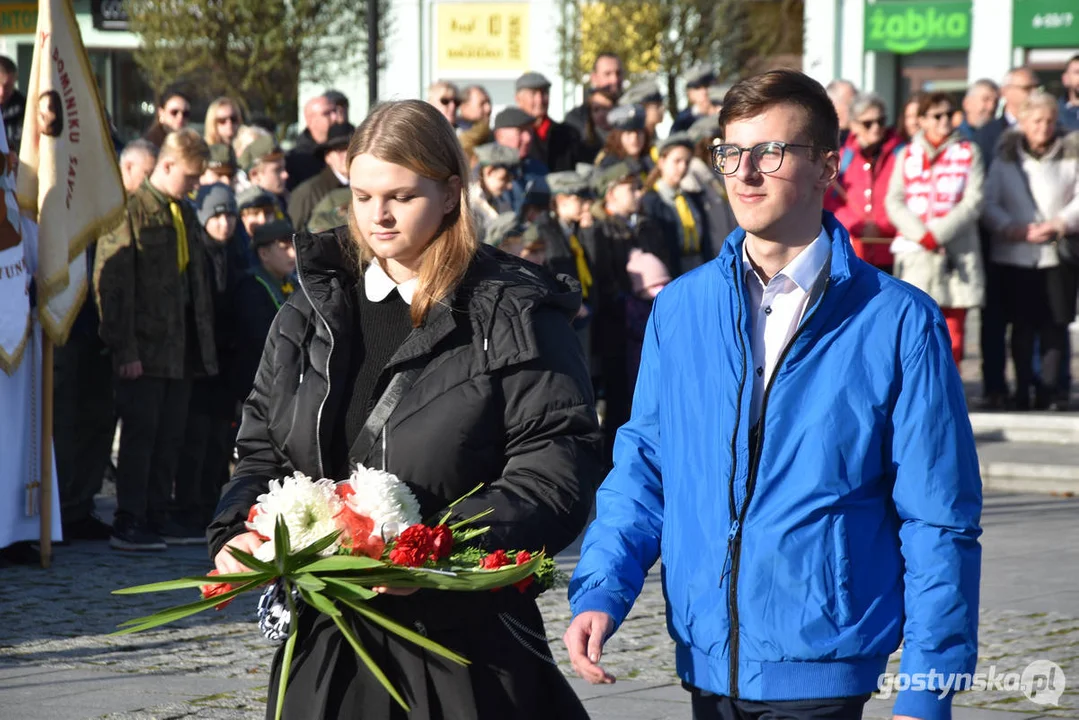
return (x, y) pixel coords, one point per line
(213, 200)
(647, 273)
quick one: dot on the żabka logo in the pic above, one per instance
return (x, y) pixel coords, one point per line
(915, 28)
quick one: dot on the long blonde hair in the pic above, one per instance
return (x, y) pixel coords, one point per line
(416, 136)
(209, 131)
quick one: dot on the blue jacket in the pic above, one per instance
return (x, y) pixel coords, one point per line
(788, 566)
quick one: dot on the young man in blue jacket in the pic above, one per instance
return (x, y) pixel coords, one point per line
(799, 455)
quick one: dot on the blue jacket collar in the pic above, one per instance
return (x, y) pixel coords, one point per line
(843, 257)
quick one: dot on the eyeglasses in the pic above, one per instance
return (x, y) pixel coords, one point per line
(183, 113)
(767, 157)
(230, 119)
(447, 101)
(871, 122)
(937, 117)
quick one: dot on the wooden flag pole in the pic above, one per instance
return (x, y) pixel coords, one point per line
(46, 450)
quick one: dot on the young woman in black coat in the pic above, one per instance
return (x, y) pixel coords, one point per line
(503, 397)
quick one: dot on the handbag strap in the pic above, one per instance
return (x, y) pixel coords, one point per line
(367, 439)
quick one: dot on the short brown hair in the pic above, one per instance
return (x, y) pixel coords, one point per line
(415, 135)
(934, 98)
(753, 95)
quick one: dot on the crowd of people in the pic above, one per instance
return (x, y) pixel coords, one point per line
(976, 209)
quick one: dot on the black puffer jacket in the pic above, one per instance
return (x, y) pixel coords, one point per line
(505, 399)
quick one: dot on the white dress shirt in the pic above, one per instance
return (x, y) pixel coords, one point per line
(377, 285)
(776, 309)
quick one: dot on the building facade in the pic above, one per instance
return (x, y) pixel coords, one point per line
(896, 47)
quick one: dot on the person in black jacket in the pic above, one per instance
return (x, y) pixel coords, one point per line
(306, 196)
(502, 397)
(554, 144)
(676, 203)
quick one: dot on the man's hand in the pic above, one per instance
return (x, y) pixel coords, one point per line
(584, 639)
(130, 371)
(248, 542)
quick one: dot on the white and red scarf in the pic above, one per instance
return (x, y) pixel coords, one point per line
(935, 185)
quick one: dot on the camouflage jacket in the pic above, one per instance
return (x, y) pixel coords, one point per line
(143, 298)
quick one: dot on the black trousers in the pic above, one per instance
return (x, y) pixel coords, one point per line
(203, 467)
(154, 416)
(719, 707)
(85, 423)
(994, 327)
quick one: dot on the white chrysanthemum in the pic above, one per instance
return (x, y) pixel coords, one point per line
(308, 508)
(383, 498)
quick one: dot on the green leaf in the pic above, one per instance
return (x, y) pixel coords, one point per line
(320, 602)
(286, 660)
(474, 518)
(458, 501)
(400, 630)
(341, 563)
(190, 582)
(281, 544)
(180, 611)
(318, 546)
(369, 661)
(344, 586)
(307, 581)
(252, 562)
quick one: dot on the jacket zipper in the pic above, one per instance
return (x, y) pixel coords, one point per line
(735, 536)
(329, 355)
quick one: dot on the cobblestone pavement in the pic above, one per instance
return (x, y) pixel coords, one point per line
(60, 619)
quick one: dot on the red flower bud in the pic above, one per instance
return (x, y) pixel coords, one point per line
(215, 589)
(441, 542)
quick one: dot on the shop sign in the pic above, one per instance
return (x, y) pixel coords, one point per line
(1045, 24)
(482, 37)
(18, 18)
(904, 28)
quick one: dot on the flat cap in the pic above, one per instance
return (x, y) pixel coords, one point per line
(502, 227)
(612, 175)
(513, 117)
(717, 93)
(213, 200)
(626, 117)
(568, 182)
(222, 157)
(493, 154)
(337, 138)
(678, 139)
(700, 76)
(642, 93)
(261, 149)
(537, 193)
(253, 197)
(704, 128)
(271, 232)
(532, 81)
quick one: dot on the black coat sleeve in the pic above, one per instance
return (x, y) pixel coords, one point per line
(554, 461)
(259, 462)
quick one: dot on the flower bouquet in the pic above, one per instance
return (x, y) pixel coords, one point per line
(329, 543)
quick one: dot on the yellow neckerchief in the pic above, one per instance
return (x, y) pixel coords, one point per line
(287, 289)
(182, 252)
(691, 239)
(583, 273)
(655, 154)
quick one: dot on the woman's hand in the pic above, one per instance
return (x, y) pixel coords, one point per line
(1041, 233)
(226, 564)
(1016, 233)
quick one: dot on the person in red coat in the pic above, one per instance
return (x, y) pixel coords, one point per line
(865, 167)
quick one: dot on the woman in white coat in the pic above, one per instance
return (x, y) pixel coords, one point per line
(1031, 203)
(934, 200)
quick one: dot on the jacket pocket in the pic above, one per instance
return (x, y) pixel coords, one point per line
(843, 600)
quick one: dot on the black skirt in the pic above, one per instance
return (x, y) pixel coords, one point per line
(511, 672)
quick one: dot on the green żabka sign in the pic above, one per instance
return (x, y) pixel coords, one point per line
(1045, 23)
(909, 27)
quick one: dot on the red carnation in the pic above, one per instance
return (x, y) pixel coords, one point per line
(413, 547)
(251, 519)
(215, 589)
(357, 534)
(523, 557)
(441, 542)
(495, 560)
(345, 491)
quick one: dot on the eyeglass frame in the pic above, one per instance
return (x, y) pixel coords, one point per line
(743, 150)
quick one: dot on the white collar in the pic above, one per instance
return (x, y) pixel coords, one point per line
(377, 285)
(340, 178)
(806, 266)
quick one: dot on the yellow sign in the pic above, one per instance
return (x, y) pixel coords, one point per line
(475, 37)
(18, 19)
